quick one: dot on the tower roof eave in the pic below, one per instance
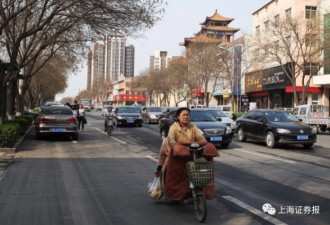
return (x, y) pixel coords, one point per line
(216, 17)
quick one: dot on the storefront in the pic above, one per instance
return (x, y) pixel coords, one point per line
(126, 99)
(197, 96)
(271, 88)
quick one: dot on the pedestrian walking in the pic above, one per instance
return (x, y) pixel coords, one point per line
(81, 117)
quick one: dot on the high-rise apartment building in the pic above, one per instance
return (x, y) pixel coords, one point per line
(95, 66)
(114, 56)
(129, 61)
(160, 60)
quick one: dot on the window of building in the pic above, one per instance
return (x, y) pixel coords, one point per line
(277, 20)
(258, 31)
(288, 13)
(311, 68)
(300, 95)
(288, 40)
(127, 92)
(310, 40)
(277, 46)
(310, 12)
(267, 26)
(315, 98)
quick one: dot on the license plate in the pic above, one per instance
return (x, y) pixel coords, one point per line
(130, 121)
(58, 129)
(216, 138)
(302, 137)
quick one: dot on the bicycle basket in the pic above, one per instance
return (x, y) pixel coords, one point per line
(200, 174)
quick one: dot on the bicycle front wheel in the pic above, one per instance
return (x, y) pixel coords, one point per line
(200, 208)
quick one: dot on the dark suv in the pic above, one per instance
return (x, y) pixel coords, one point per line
(212, 129)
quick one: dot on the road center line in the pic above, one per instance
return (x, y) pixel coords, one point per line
(266, 156)
(254, 210)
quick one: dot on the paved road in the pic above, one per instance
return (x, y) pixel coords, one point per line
(103, 180)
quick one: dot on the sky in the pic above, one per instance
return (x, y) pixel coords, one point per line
(182, 19)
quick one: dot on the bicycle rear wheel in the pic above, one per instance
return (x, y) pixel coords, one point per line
(200, 208)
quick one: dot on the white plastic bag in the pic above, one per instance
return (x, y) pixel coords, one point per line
(155, 189)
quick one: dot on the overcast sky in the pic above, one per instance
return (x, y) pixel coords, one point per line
(182, 19)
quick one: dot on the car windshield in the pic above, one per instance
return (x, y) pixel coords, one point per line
(217, 113)
(56, 110)
(155, 109)
(201, 116)
(127, 110)
(280, 117)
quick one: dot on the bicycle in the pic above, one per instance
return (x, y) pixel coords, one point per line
(200, 173)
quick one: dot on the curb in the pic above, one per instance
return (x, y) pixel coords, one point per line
(17, 144)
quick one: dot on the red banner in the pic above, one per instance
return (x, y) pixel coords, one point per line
(197, 92)
(289, 89)
(124, 97)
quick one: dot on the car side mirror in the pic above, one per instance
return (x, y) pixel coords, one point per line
(219, 119)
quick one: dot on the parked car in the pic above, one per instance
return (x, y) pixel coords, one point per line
(275, 127)
(151, 114)
(56, 120)
(127, 115)
(98, 107)
(166, 110)
(217, 113)
(226, 109)
(313, 115)
(212, 129)
(105, 109)
(52, 103)
(197, 106)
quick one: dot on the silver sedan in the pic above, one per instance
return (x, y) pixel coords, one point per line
(56, 120)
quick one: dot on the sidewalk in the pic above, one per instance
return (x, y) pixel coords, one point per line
(7, 155)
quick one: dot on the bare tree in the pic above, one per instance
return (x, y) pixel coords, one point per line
(296, 42)
(60, 18)
(204, 58)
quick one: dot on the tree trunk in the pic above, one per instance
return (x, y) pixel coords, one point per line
(11, 99)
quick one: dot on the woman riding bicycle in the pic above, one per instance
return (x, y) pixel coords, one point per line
(174, 154)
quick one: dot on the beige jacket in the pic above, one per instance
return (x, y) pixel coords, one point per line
(177, 134)
(184, 135)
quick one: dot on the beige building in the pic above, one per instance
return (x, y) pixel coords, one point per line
(267, 83)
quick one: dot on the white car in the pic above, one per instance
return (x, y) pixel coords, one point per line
(224, 118)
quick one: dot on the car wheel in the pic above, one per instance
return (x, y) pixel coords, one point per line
(270, 139)
(241, 135)
(37, 136)
(163, 133)
(315, 127)
(75, 137)
(225, 144)
(323, 128)
(308, 145)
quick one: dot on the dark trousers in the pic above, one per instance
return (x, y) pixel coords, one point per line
(81, 121)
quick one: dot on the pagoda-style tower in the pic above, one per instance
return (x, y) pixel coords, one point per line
(214, 28)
